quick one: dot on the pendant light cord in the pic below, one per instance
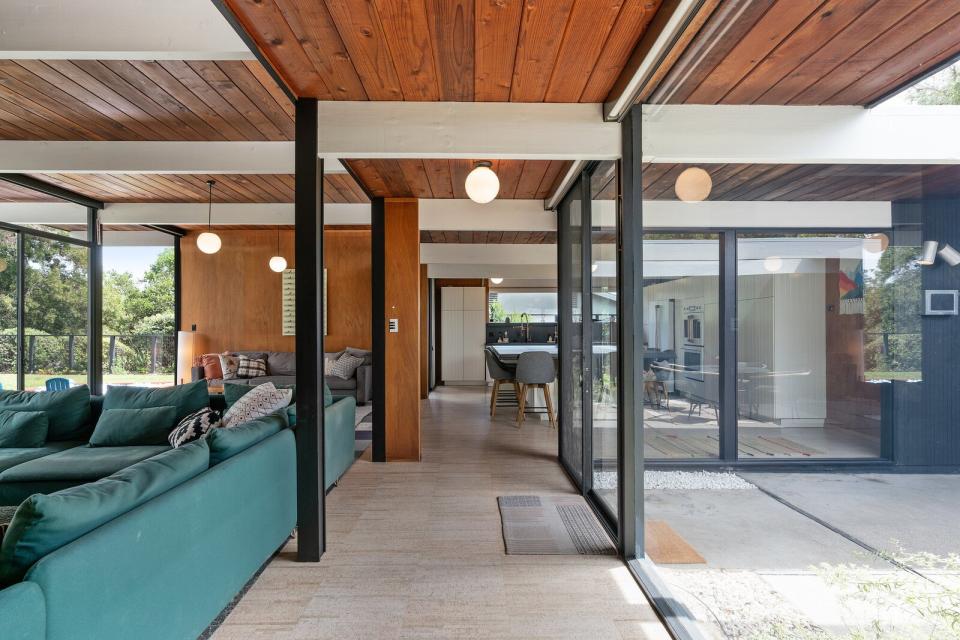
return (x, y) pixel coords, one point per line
(210, 184)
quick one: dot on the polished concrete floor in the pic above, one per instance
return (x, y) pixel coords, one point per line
(415, 549)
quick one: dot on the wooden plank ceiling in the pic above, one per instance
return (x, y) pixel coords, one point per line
(131, 187)
(488, 237)
(141, 100)
(519, 179)
(452, 50)
(811, 182)
(811, 52)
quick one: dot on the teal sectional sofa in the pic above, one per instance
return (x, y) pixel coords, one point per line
(163, 539)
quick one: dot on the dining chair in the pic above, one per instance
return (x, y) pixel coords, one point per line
(57, 384)
(500, 376)
(535, 370)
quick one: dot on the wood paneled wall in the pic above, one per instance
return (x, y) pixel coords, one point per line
(402, 301)
(235, 299)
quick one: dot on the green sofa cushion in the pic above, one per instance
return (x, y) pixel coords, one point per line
(187, 398)
(44, 523)
(12, 457)
(68, 411)
(126, 427)
(23, 429)
(23, 612)
(226, 442)
(327, 396)
(81, 464)
(233, 392)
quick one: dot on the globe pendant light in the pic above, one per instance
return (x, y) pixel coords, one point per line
(278, 263)
(208, 241)
(693, 185)
(482, 184)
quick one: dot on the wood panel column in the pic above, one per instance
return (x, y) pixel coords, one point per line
(396, 260)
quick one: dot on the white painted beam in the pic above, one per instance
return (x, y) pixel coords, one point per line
(17, 156)
(800, 135)
(545, 274)
(499, 215)
(451, 253)
(673, 213)
(42, 213)
(117, 30)
(226, 213)
(467, 130)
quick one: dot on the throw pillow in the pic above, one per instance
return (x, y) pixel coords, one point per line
(194, 427)
(211, 366)
(261, 401)
(251, 367)
(345, 366)
(328, 366)
(234, 391)
(131, 427)
(23, 429)
(68, 411)
(228, 365)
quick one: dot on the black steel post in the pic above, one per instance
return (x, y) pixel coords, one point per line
(630, 301)
(21, 290)
(378, 247)
(95, 303)
(728, 346)
(308, 222)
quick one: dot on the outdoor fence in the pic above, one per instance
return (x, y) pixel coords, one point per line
(67, 353)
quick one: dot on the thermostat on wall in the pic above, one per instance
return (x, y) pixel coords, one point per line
(942, 302)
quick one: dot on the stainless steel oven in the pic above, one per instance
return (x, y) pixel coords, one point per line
(693, 324)
(693, 363)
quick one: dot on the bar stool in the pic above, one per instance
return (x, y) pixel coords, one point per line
(500, 376)
(535, 370)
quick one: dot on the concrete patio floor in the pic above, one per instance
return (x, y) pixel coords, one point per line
(764, 574)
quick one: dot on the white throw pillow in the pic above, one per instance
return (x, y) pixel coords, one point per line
(345, 366)
(229, 364)
(263, 400)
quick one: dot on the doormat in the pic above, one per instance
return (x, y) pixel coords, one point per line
(551, 525)
(663, 545)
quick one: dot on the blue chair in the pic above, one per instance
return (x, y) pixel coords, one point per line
(57, 384)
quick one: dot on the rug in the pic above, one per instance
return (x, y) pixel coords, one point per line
(363, 436)
(551, 525)
(665, 546)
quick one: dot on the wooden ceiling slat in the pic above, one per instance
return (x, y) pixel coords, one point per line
(70, 91)
(864, 29)
(452, 31)
(166, 81)
(590, 23)
(267, 83)
(280, 45)
(542, 31)
(530, 178)
(363, 37)
(775, 25)
(438, 173)
(551, 177)
(829, 20)
(148, 86)
(407, 30)
(237, 98)
(509, 173)
(313, 26)
(26, 127)
(24, 106)
(41, 91)
(496, 32)
(628, 28)
(459, 170)
(107, 85)
(416, 177)
(189, 78)
(933, 48)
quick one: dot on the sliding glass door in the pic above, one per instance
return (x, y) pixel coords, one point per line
(588, 272)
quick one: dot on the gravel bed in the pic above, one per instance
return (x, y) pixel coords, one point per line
(683, 480)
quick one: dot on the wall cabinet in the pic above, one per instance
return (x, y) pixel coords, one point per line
(463, 323)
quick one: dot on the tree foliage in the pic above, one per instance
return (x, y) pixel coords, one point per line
(939, 90)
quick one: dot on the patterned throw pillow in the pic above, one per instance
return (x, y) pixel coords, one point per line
(251, 367)
(229, 364)
(328, 366)
(263, 400)
(194, 427)
(345, 366)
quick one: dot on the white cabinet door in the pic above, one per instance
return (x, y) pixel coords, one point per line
(474, 330)
(451, 298)
(451, 344)
(474, 299)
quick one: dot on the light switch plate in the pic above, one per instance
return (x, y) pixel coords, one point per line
(394, 325)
